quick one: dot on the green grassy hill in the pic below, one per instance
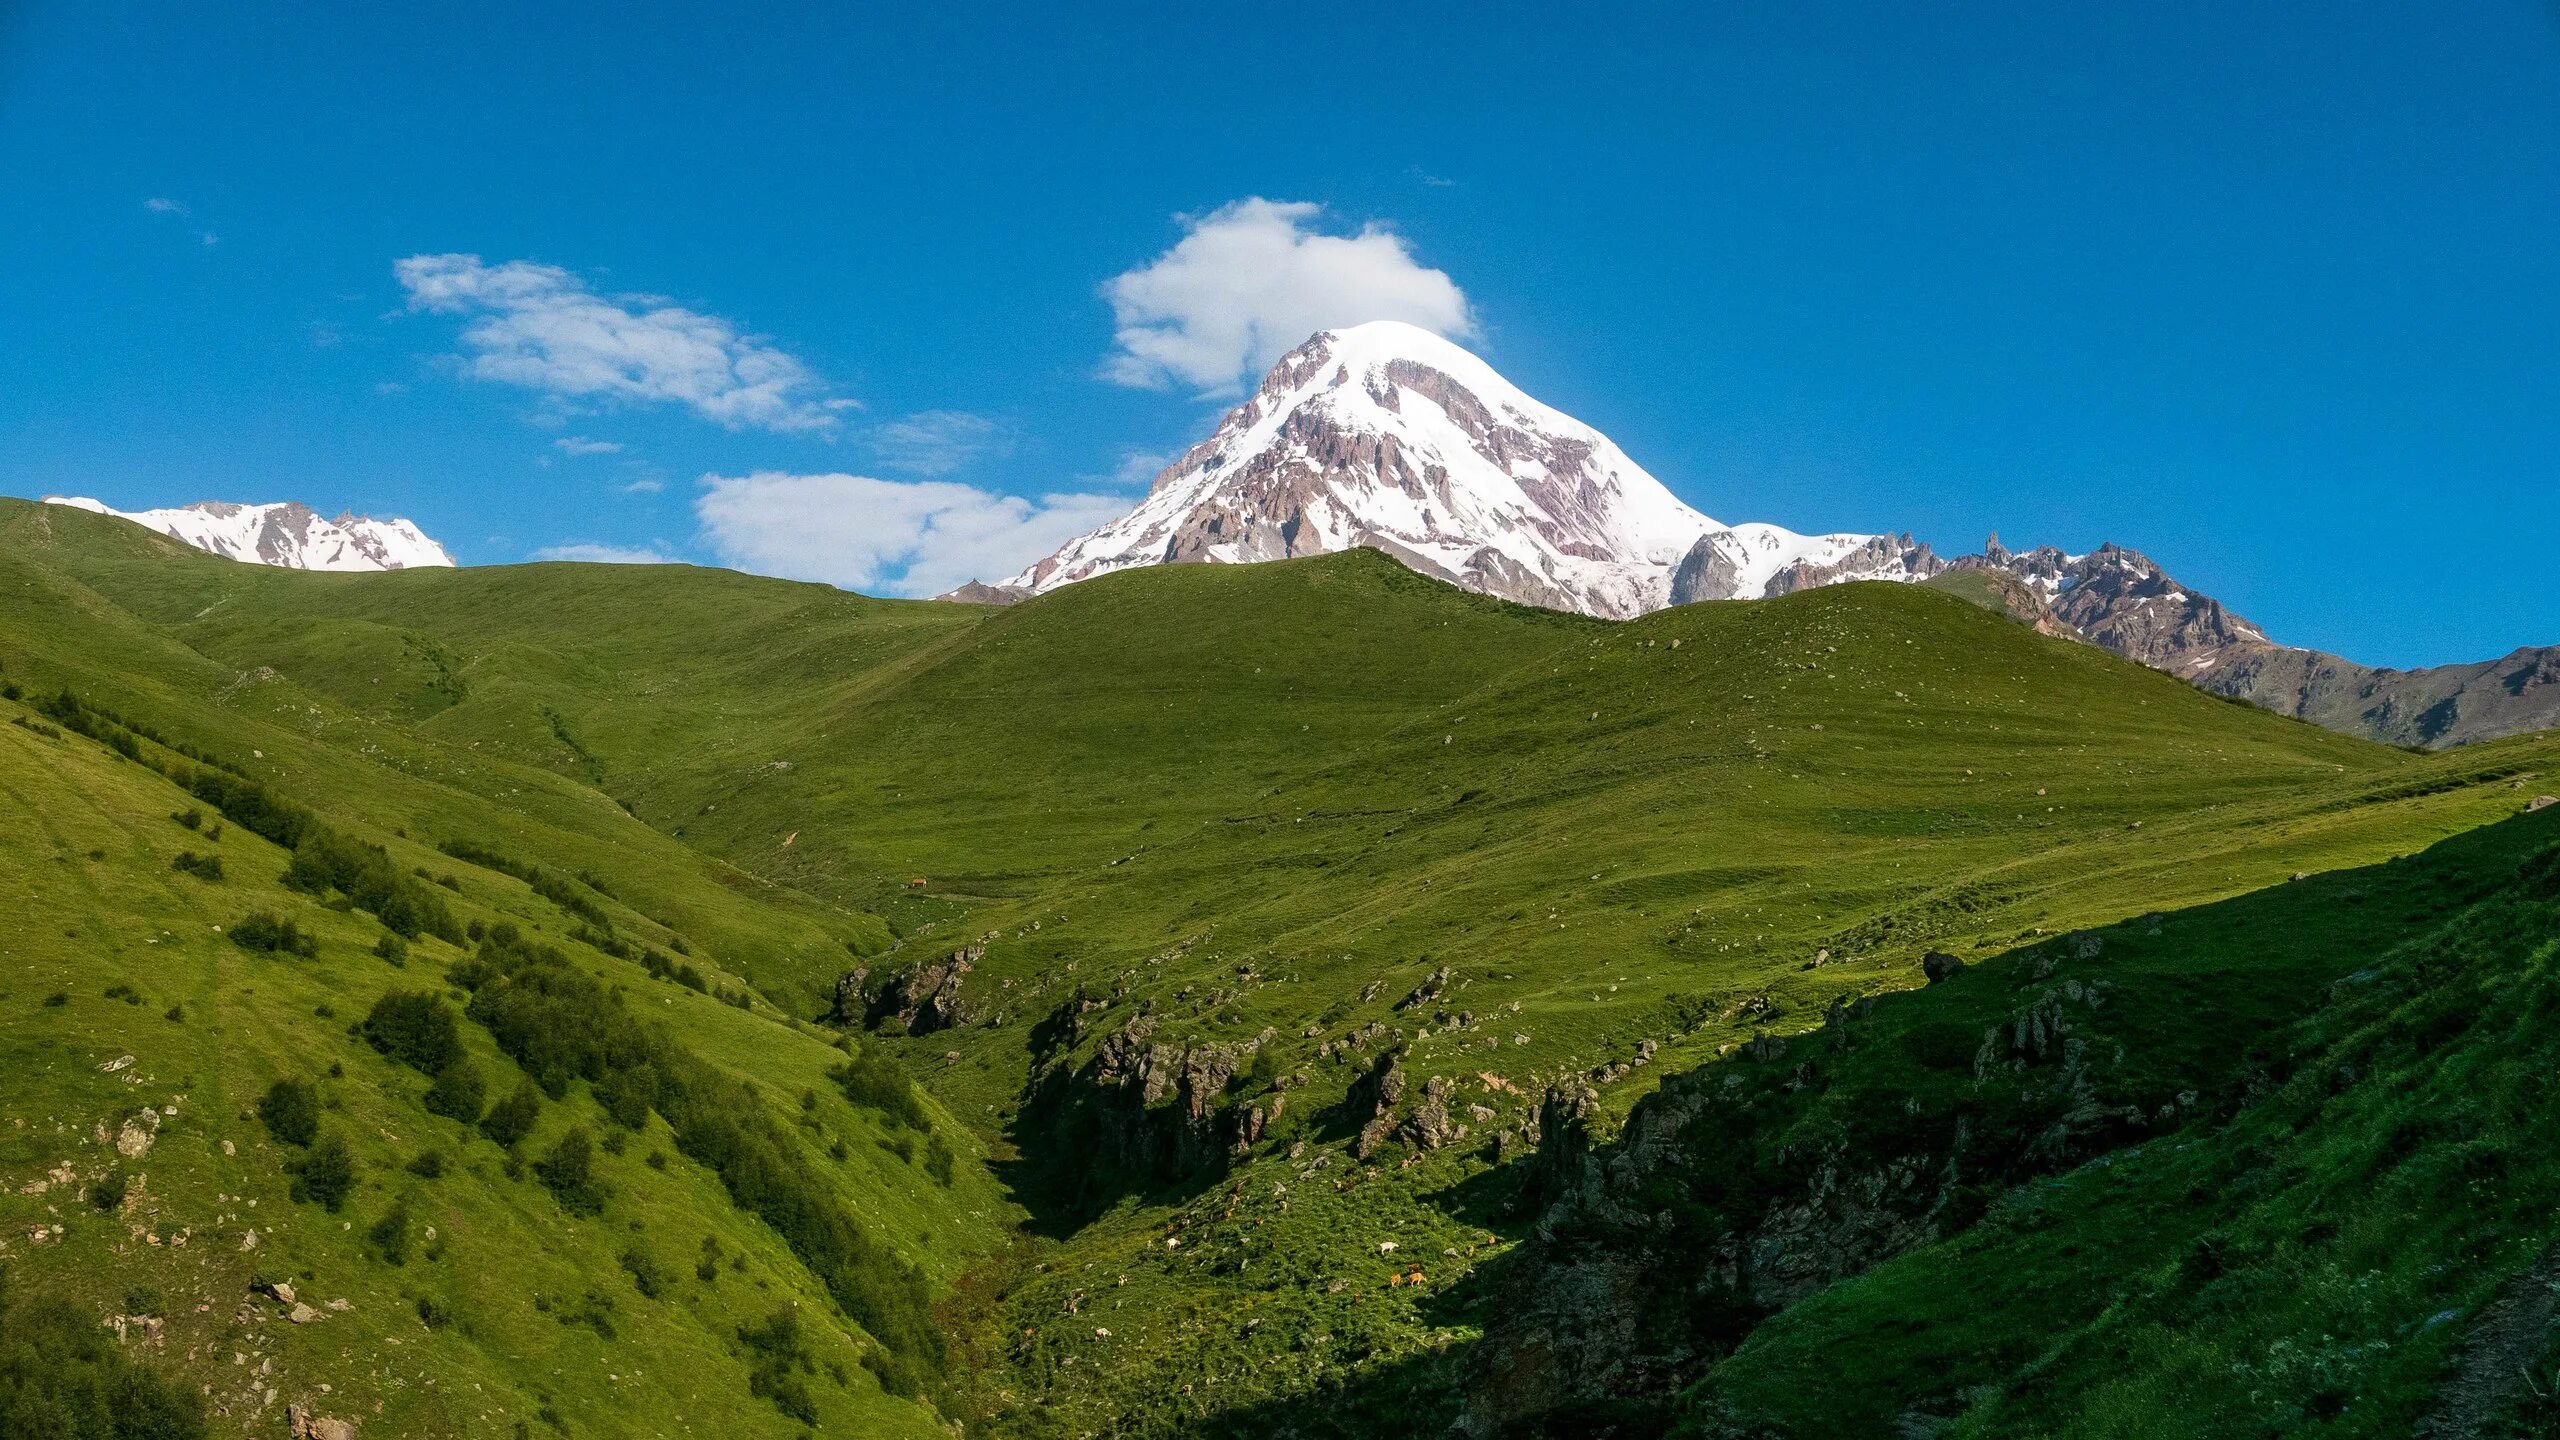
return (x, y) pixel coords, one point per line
(1211, 842)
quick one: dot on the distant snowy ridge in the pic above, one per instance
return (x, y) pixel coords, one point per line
(1387, 435)
(288, 534)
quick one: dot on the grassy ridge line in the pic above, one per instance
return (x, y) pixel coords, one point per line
(375, 776)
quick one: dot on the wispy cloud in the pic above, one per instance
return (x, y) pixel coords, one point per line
(886, 536)
(937, 442)
(581, 445)
(542, 328)
(605, 554)
(1436, 182)
(160, 205)
(1253, 279)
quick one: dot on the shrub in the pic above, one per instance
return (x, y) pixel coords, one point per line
(937, 1160)
(459, 1094)
(775, 1353)
(875, 1083)
(324, 860)
(647, 1275)
(143, 1300)
(511, 1119)
(415, 1028)
(389, 1236)
(428, 1165)
(108, 1192)
(567, 1169)
(326, 1173)
(203, 867)
(629, 1095)
(291, 1111)
(392, 949)
(263, 932)
(57, 999)
(191, 817)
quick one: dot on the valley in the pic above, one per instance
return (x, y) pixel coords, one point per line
(1265, 945)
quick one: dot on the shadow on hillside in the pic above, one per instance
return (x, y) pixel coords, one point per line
(1079, 1149)
(2212, 994)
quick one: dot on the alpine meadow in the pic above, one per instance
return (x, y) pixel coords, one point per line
(1012, 722)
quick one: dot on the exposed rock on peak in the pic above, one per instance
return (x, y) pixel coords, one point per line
(289, 534)
(1386, 435)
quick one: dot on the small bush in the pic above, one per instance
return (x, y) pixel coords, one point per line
(776, 1353)
(326, 1173)
(875, 1082)
(433, 1315)
(57, 1000)
(191, 817)
(647, 1275)
(203, 867)
(428, 1165)
(108, 1192)
(937, 1160)
(143, 1300)
(266, 934)
(415, 1028)
(629, 1095)
(511, 1119)
(460, 1094)
(389, 1236)
(392, 949)
(291, 1111)
(567, 1169)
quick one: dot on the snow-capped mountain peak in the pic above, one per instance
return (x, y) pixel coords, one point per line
(288, 533)
(1388, 435)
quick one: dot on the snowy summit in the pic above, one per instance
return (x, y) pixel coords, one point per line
(288, 534)
(1387, 435)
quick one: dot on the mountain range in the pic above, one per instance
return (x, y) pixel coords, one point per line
(288, 534)
(1388, 436)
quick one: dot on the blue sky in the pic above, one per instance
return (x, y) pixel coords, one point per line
(2271, 291)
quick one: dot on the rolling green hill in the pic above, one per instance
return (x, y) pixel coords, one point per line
(1145, 880)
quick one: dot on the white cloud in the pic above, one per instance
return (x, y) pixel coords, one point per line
(887, 536)
(1251, 281)
(158, 205)
(937, 442)
(644, 487)
(542, 328)
(1136, 467)
(605, 554)
(581, 445)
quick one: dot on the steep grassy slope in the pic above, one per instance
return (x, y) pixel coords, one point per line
(140, 1038)
(2362, 1250)
(1216, 840)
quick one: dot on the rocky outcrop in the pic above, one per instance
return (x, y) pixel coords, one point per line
(1429, 1126)
(1161, 1108)
(852, 1006)
(1938, 966)
(1777, 1209)
(924, 997)
(1372, 1103)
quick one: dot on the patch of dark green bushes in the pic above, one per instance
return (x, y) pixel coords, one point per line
(560, 1025)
